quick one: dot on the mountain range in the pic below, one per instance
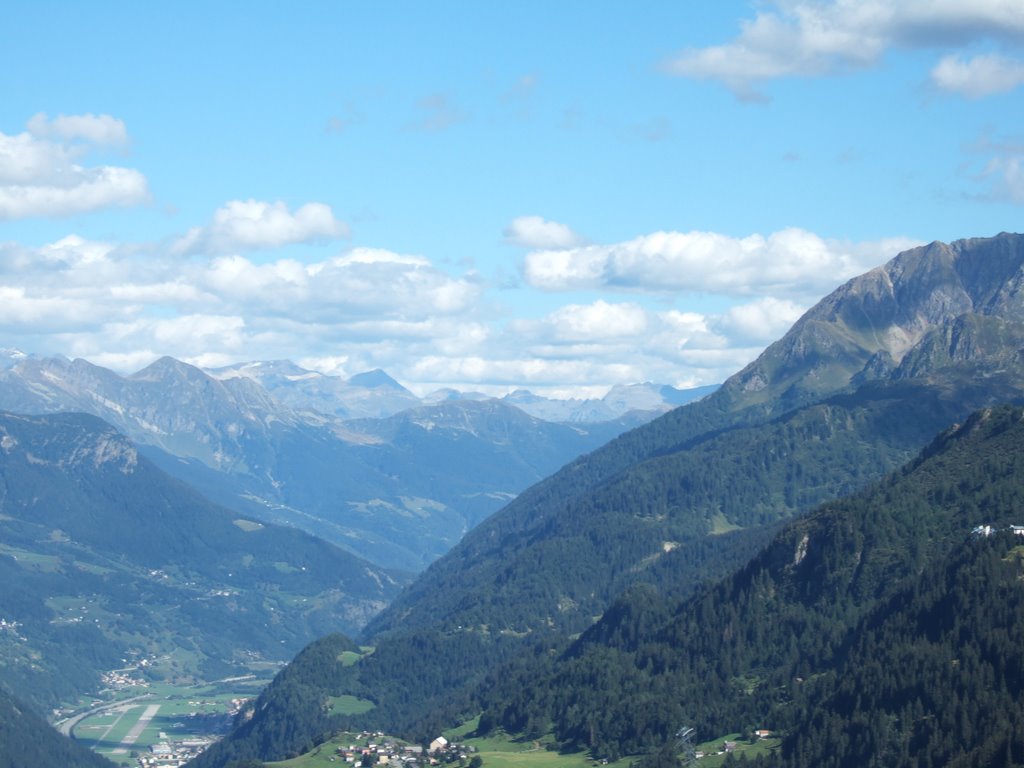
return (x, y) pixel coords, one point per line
(859, 386)
(266, 439)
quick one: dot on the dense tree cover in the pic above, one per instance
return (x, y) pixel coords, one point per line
(291, 715)
(26, 739)
(832, 596)
(535, 575)
(935, 675)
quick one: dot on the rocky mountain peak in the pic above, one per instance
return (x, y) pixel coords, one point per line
(375, 379)
(867, 327)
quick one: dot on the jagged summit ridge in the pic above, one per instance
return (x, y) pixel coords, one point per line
(866, 328)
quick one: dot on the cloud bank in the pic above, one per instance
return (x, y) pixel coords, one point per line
(43, 171)
(791, 262)
(807, 38)
(365, 308)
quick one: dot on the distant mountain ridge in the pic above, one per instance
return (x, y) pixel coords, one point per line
(375, 394)
(265, 439)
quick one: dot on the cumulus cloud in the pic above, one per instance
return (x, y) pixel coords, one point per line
(96, 129)
(761, 321)
(978, 76)
(791, 262)
(537, 232)
(255, 224)
(813, 38)
(600, 321)
(41, 177)
(104, 299)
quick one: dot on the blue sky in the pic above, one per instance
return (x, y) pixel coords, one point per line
(555, 196)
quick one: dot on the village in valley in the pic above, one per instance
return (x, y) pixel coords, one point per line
(368, 749)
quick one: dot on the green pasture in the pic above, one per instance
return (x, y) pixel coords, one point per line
(184, 712)
(749, 749)
(349, 705)
(104, 732)
(34, 560)
(321, 756)
(500, 751)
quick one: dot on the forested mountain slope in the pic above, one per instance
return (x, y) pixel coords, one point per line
(879, 630)
(103, 558)
(26, 739)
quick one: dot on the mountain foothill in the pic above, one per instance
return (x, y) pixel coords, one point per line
(825, 547)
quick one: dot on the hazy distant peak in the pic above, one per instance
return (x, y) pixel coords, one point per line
(167, 367)
(375, 379)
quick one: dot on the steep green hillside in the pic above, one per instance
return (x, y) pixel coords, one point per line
(26, 739)
(293, 713)
(849, 622)
(107, 562)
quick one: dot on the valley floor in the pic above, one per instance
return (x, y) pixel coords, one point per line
(160, 724)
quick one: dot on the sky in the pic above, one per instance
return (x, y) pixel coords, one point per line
(487, 196)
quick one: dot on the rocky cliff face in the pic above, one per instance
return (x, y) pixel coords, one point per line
(931, 306)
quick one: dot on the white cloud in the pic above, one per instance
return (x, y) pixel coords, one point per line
(23, 312)
(599, 321)
(96, 129)
(537, 232)
(88, 189)
(255, 224)
(366, 308)
(40, 177)
(812, 38)
(978, 76)
(791, 262)
(762, 321)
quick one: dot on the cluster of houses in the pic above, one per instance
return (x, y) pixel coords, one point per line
(728, 747)
(172, 754)
(119, 679)
(11, 627)
(375, 749)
